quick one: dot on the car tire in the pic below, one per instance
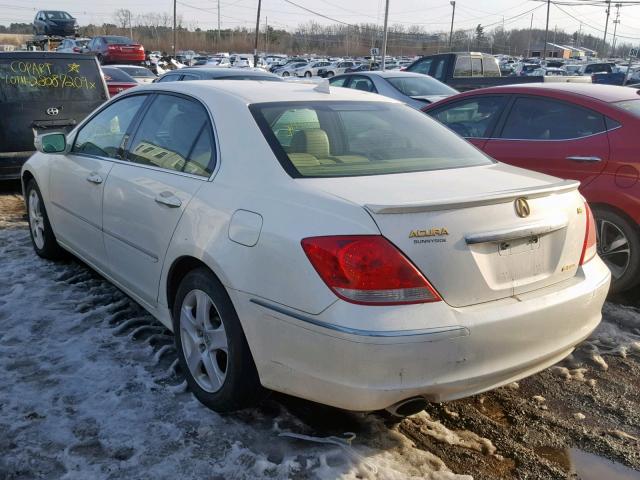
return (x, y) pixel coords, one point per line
(42, 237)
(330, 74)
(100, 58)
(307, 74)
(285, 74)
(212, 349)
(615, 229)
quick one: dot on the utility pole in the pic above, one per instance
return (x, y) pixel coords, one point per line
(615, 29)
(530, 31)
(579, 35)
(255, 47)
(218, 24)
(606, 27)
(266, 35)
(546, 32)
(174, 28)
(130, 27)
(453, 15)
(384, 38)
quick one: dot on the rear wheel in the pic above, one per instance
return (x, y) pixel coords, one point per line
(619, 248)
(212, 349)
(42, 236)
(100, 58)
(330, 74)
(285, 74)
(307, 74)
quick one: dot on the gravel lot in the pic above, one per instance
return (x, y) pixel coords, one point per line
(89, 389)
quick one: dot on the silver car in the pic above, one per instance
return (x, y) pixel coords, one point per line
(414, 89)
(311, 69)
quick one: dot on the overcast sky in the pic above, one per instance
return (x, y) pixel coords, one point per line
(432, 14)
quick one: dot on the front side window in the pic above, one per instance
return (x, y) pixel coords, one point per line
(169, 78)
(174, 134)
(421, 67)
(420, 86)
(490, 67)
(338, 81)
(340, 139)
(472, 118)
(104, 134)
(542, 119)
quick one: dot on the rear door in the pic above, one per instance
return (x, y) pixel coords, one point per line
(76, 181)
(473, 118)
(42, 91)
(552, 137)
(171, 155)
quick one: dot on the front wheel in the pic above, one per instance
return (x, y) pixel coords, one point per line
(42, 236)
(285, 74)
(307, 74)
(619, 247)
(330, 74)
(100, 59)
(212, 349)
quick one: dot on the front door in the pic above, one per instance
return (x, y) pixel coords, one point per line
(170, 157)
(552, 137)
(76, 181)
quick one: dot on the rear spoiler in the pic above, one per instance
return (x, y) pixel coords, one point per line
(475, 201)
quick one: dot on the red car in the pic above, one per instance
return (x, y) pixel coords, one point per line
(117, 80)
(116, 49)
(585, 132)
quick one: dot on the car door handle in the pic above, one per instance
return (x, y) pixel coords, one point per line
(584, 159)
(94, 178)
(168, 199)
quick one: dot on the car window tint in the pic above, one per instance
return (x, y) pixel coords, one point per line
(172, 135)
(490, 67)
(471, 118)
(103, 135)
(362, 83)
(360, 138)
(422, 66)
(187, 77)
(438, 69)
(463, 67)
(292, 121)
(542, 119)
(338, 81)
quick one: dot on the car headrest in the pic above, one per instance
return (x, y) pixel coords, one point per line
(313, 141)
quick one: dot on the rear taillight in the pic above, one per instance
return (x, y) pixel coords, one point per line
(112, 47)
(140, 47)
(589, 247)
(76, 50)
(368, 270)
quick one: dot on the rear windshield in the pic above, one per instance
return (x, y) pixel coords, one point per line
(112, 74)
(262, 78)
(50, 79)
(631, 106)
(420, 86)
(118, 40)
(340, 139)
(138, 71)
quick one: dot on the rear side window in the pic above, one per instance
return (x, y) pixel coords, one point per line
(169, 78)
(476, 67)
(471, 118)
(340, 139)
(542, 119)
(423, 66)
(112, 74)
(362, 83)
(49, 79)
(175, 134)
(491, 67)
(103, 135)
(463, 67)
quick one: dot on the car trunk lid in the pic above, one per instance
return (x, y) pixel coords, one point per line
(462, 229)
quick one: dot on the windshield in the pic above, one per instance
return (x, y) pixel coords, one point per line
(118, 40)
(340, 139)
(631, 106)
(50, 79)
(58, 16)
(138, 71)
(420, 86)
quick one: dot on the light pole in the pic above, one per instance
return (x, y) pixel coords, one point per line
(615, 29)
(384, 38)
(606, 27)
(174, 28)
(546, 33)
(255, 47)
(453, 15)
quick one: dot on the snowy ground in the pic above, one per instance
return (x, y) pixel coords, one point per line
(89, 390)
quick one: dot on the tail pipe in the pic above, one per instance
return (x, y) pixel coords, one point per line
(408, 407)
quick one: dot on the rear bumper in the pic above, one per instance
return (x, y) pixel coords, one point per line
(11, 164)
(431, 350)
(124, 57)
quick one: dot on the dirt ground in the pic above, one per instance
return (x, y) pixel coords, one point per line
(538, 428)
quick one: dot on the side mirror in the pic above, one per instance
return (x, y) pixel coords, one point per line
(51, 143)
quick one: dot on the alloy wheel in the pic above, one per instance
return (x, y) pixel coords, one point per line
(613, 247)
(36, 219)
(204, 341)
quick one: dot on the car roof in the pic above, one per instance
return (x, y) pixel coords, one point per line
(604, 93)
(246, 91)
(386, 74)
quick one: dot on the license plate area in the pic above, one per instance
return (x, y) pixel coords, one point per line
(518, 246)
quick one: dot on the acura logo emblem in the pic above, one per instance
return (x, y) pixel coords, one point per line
(522, 207)
(52, 111)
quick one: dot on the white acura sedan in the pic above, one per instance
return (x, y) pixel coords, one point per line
(331, 244)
